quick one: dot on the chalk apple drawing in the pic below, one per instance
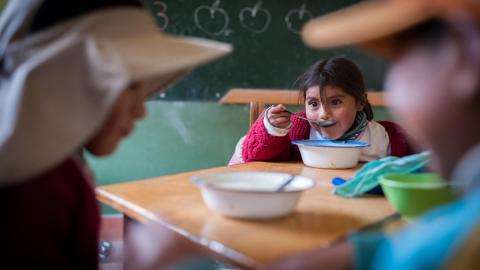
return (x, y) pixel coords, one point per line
(296, 18)
(163, 23)
(256, 19)
(218, 19)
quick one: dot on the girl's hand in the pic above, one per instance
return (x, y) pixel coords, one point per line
(278, 117)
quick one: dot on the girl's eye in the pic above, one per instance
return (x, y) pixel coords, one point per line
(335, 102)
(313, 103)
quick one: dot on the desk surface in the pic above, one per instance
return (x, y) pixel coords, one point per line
(320, 218)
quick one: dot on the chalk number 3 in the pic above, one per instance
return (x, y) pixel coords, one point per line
(161, 14)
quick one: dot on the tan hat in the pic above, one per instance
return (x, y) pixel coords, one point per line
(376, 24)
(59, 85)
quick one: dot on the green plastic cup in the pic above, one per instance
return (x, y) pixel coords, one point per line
(414, 194)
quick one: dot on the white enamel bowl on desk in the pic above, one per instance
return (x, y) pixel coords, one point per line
(251, 195)
(330, 154)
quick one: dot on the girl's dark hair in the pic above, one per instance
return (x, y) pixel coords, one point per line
(339, 72)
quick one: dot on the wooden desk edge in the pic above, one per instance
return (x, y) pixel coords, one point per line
(123, 206)
(213, 248)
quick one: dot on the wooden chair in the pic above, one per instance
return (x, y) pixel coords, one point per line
(258, 98)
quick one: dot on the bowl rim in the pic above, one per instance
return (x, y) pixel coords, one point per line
(199, 182)
(412, 185)
(347, 144)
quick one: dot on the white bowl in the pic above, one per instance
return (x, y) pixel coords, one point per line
(251, 195)
(329, 154)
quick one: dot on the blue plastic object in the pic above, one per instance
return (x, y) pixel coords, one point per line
(337, 181)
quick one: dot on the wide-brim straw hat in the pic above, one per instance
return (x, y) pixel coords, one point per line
(377, 24)
(59, 85)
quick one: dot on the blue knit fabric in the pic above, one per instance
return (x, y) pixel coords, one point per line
(427, 243)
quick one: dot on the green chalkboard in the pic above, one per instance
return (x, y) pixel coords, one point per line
(268, 51)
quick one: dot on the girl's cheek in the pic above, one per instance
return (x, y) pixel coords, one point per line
(345, 116)
(310, 114)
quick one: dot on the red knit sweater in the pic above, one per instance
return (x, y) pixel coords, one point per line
(261, 146)
(50, 221)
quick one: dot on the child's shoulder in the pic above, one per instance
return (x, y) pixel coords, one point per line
(389, 126)
(400, 142)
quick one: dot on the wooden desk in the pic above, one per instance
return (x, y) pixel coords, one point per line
(320, 217)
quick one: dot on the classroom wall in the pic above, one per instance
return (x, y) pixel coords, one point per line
(177, 137)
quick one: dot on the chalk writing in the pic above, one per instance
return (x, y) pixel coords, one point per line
(256, 19)
(210, 24)
(296, 18)
(162, 17)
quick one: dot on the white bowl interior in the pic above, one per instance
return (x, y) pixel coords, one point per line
(252, 181)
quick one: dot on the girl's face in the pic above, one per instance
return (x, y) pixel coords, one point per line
(128, 108)
(340, 107)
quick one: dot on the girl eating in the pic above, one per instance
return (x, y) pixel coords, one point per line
(336, 107)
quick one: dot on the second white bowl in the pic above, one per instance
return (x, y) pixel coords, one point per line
(330, 154)
(251, 195)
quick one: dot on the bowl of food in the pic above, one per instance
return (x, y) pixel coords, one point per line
(415, 193)
(330, 154)
(252, 195)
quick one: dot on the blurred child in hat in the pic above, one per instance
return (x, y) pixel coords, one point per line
(434, 88)
(73, 75)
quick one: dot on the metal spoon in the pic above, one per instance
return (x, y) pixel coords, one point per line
(319, 123)
(286, 183)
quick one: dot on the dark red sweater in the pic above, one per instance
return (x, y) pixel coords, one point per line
(261, 146)
(51, 221)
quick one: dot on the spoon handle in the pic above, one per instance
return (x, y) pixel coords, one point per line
(298, 116)
(320, 123)
(286, 183)
(304, 118)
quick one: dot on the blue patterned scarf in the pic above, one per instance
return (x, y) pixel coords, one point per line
(359, 126)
